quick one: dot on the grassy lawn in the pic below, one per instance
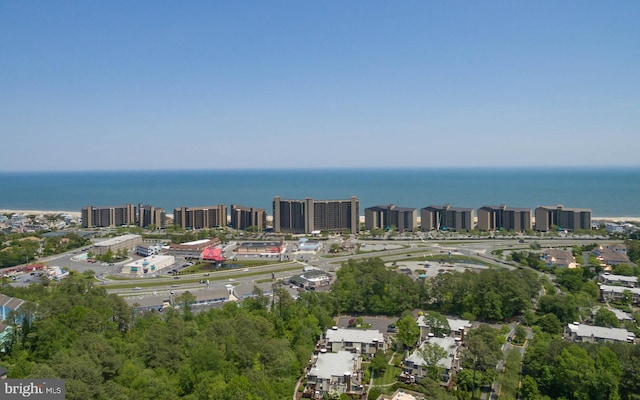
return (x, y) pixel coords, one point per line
(390, 376)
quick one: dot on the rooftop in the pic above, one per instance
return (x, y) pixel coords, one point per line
(617, 334)
(354, 335)
(333, 364)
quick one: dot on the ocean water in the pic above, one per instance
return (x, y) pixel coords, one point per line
(609, 192)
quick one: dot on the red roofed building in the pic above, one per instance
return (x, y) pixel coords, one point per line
(212, 254)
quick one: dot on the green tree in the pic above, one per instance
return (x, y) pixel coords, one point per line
(606, 318)
(408, 332)
(431, 354)
(549, 323)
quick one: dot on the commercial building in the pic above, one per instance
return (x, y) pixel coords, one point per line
(200, 217)
(148, 265)
(127, 242)
(560, 218)
(314, 278)
(248, 217)
(309, 215)
(491, 218)
(260, 248)
(386, 217)
(309, 246)
(94, 217)
(192, 250)
(149, 215)
(446, 218)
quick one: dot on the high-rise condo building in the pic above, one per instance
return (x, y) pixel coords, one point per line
(245, 217)
(385, 217)
(309, 215)
(558, 217)
(200, 217)
(108, 216)
(446, 218)
(491, 218)
(149, 215)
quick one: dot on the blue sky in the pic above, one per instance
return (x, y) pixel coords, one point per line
(303, 84)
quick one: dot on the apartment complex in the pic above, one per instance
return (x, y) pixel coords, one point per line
(385, 217)
(491, 218)
(558, 217)
(309, 215)
(149, 215)
(143, 216)
(245, 217)
(108, 216)
(200, 217)
(446, 218)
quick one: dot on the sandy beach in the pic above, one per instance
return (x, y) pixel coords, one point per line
(76, 214)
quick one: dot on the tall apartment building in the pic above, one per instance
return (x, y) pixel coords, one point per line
(570, 219)
(200, 217)
(446, 218)
(149, 215)
(383, 217)
(309, 215)
(245, 217)
(491, 218)
(108, 216)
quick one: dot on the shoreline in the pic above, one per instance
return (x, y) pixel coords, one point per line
(78, 214)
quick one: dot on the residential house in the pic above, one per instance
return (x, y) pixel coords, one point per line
(558, 258)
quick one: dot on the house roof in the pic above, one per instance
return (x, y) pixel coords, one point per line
(333, 364)
(354, 335)
(449, 344)
(617, 334)
(619, 278)
(619, 289)
(454, 323)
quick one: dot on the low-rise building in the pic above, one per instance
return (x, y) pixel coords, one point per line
(615, 293)
(260, 248)
(402, 394)
(313, 278)
(127, 242)
(309, 246)
(558, 258)
(457, 328)
(338, 372)
(414, 368)
(597, 334)
(366, 341)
(192, 250)
(146, 250)
(148, 265)
(620, 280)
